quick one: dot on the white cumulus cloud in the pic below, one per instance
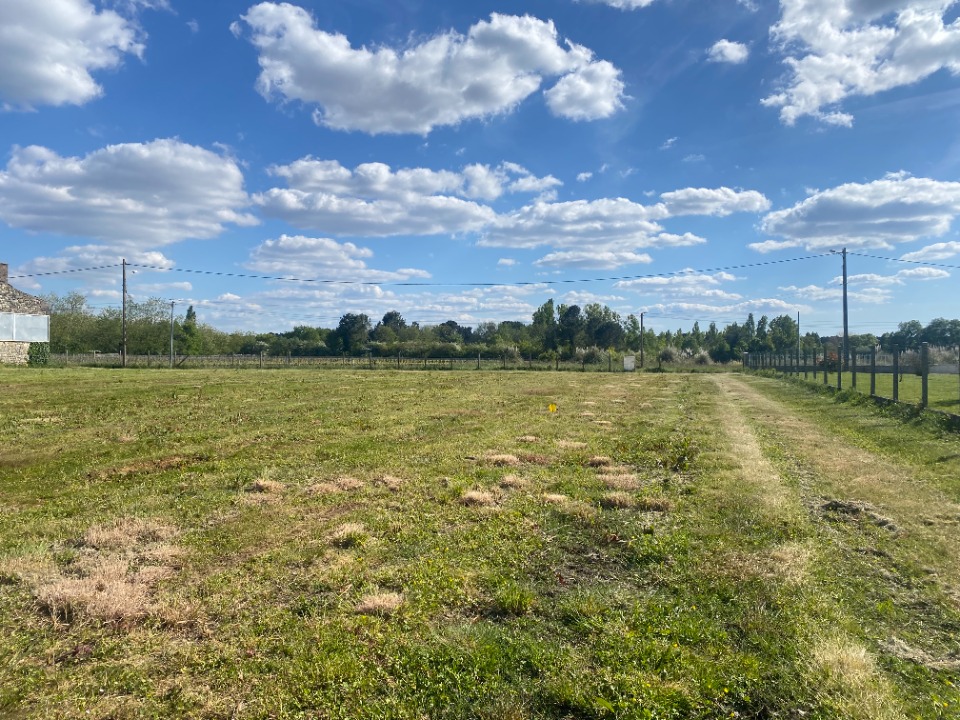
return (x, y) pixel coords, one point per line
(728, 51)
(49, 48)
(443, 80)
(624, 4)
(936, 251)
(322, 258)
(838, 49)
(719, 202)
(373, 199)
(135, 195)
(879, 214)
(593, 259)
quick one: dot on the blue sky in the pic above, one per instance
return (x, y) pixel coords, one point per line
(692, 160)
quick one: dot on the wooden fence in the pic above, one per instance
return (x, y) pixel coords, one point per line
(886, 374)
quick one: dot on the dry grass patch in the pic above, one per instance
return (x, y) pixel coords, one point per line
(654, 504)
(478, 498)
(620, 481)
(617, 500)
(848, 676)
(266, 487)
(571, 445)
(588, 414)
(535, 459)
(513, 482)
(349, 535)
(603, 423)
(502, 459)
(787, 563)
(391, 482)
(528, 439)
(322, 488)
(348, 483)
(383, 604)
(600, 461)
(111, 578)
(555, 498)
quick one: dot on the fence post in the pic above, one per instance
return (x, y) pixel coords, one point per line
(853, 367)
(896, 374)
(873, 370)
(925, 372)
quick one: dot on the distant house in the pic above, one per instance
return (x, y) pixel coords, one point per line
(24, 319)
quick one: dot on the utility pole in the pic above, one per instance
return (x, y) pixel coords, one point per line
(171, 334)
(123, 322)
(846, 327)
(641, 339)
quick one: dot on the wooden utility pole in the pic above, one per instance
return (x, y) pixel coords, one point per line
(846, 326)
(123, 321)
(171, 334)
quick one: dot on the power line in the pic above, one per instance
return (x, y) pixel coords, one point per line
(620, 278)
(908, 262)
(66, 272)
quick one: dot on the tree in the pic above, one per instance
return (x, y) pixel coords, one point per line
(569, 327)
(783, 333)
(942, 332)
(602, 326)
(351, 335)
(189, 339)
(544, 328)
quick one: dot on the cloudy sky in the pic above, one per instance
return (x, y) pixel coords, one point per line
(277, 164)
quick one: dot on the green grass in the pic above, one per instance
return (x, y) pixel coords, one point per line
(369, 544)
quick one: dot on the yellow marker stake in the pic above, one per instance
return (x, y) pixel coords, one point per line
(552, 408)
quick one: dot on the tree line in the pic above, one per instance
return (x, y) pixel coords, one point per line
(555, 331)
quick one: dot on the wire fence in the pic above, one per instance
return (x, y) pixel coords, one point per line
(929, 377)
(606, 363)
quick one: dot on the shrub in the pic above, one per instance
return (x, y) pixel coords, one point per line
(39, 354)
(668, 355)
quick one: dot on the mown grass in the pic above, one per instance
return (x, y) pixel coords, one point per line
(354, 544)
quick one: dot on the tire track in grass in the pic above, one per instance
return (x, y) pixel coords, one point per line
(840, 670)
(857, 482)
(891, 572)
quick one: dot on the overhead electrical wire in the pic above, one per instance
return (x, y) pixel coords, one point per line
(620, 278)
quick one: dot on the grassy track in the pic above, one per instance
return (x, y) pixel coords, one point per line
(341, 544)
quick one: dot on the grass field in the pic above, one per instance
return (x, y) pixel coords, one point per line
(368, 544)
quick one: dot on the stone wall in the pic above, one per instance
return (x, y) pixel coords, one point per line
(17, 301)
(14, 353)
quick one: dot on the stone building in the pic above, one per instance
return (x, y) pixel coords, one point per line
(23, 319)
